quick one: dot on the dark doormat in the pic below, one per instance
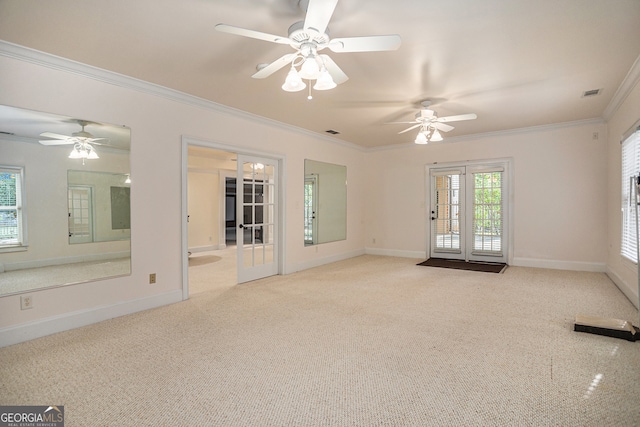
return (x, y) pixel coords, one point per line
(487, 267)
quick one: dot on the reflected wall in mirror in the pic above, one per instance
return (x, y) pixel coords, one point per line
(325, 202)
(63, 181)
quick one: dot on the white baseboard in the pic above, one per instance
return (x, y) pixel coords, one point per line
(396, 253)
(317, 262)
(206, 248)
(631, 292)
(43, 327)
(595, 267)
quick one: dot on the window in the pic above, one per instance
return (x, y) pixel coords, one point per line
(11, 212)
(630, 168)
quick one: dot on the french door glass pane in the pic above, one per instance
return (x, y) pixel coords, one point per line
(487, 212)
(447, 212)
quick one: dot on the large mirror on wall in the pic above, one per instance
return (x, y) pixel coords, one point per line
(325, 202)
(64, 200)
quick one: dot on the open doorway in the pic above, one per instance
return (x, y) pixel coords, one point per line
(211, 224)
(208, 223)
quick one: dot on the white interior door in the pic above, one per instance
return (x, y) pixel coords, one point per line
(468, 213)
(256, 217)
(80, 214)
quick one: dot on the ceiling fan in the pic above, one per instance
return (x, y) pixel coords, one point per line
(82, 142)
(307, 38)
(430, 124)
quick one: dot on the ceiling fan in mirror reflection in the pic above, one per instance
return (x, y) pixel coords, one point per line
(82, 142)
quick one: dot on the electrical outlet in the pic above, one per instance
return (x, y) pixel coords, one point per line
(26, 302)
(152, 278)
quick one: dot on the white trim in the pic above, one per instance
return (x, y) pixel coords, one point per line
(625, 288)
(630, 81)
(207, 248)
(396, 253)
(596, 267)
(67, 321)
(33, 56)
(317, 262)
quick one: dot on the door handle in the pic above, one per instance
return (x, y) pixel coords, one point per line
(241, 226)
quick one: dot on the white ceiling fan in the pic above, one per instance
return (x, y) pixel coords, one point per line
(82, 142)
(308, 37)
(430, 124)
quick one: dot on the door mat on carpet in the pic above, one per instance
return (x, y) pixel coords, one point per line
(487, 267)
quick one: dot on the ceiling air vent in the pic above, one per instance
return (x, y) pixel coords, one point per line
(592, 92)
(332, 132)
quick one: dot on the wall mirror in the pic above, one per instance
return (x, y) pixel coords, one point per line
(64, 200)
(325, 202)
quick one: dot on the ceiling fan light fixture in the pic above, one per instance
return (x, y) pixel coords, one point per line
(324, 82)
(310, 69)
(75, 153)
(293, 82)
(421, 138)
(91, 154)
(435, 136)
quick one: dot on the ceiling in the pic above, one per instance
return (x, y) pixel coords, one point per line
(516, 63)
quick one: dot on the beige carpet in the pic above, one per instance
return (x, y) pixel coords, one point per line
(371, 341)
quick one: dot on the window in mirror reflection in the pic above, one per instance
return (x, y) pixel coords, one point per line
(325, 202)
(11, 214)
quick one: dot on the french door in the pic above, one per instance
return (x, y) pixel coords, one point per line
(80, 214)
(468, 213)
(256, 217)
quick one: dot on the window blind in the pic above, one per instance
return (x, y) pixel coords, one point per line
(630, 168)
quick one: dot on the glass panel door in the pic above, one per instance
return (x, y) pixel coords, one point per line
(468, 206)
(256, 218)
(80, 215)
(446, 214)
(487, 213)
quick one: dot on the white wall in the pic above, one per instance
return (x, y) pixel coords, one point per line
(558, 187)
(622, 271)
(157, 125)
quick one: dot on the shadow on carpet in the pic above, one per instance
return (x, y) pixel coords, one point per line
(486, 267)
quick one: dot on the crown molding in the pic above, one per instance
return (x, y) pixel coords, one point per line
(21, 53)
(630, 81)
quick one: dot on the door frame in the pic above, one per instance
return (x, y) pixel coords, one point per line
(281, 234)
(507, 164)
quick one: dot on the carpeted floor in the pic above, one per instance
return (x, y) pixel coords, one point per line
(370, 341)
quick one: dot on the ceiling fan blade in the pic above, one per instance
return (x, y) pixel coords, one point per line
(318, 14)
(366, 43)
(54, 135)
(441, 126)
(459, 118)
(230, 29)
(95, 141)
(56, 142)
(410, 128)
(274, 66)
(336, 72)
